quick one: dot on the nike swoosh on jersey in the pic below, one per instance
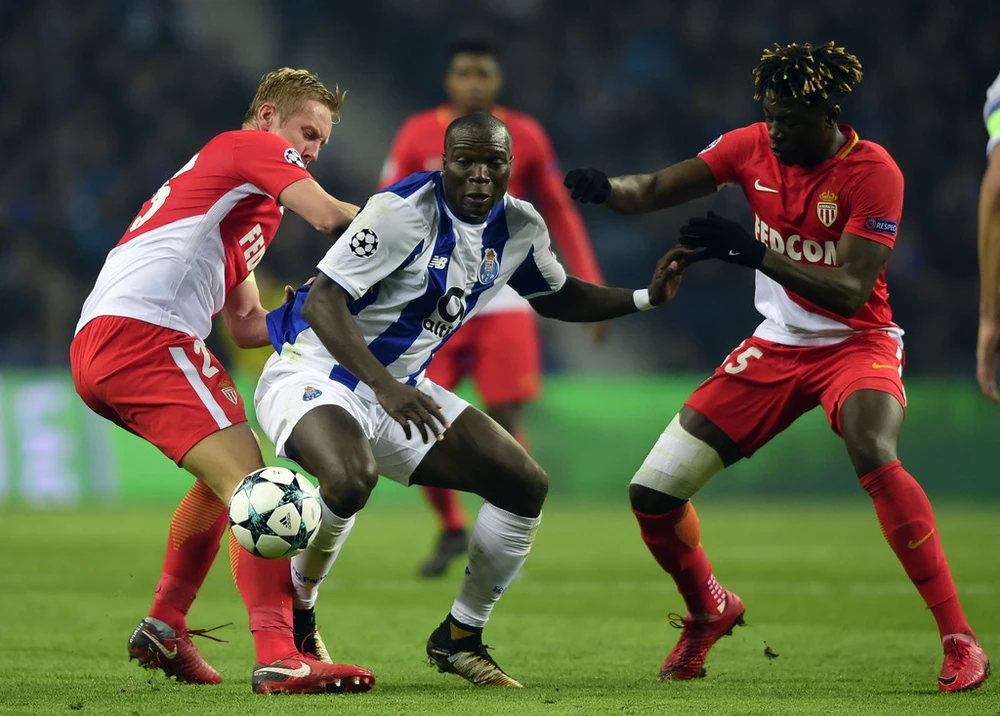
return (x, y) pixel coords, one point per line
(913, 545)
(169, 653)
(303, 670)
(883, 365)
(734, 253)
(760, 187)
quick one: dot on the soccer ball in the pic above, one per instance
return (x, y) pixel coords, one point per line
(274, 512)
(364, 243)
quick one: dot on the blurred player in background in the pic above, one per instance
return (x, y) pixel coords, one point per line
(139, 359)
(826, 207)
(346, 395)
(499, 348)
(989, 252)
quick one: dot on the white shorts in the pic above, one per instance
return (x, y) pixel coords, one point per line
(287, 391)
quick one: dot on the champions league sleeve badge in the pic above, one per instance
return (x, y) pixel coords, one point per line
(489, 267)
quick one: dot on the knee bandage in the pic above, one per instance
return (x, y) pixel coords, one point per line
(679, 464)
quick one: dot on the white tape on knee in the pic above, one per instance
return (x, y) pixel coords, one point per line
(679, 464)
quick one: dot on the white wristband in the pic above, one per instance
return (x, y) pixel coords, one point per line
(641, 298)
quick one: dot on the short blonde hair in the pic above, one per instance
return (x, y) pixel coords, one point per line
(288, 90)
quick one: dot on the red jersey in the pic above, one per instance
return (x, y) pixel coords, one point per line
(802, 212)
(199, 236)
(418, 147)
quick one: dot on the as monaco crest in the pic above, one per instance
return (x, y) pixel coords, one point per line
(826, 208)
(229, 391)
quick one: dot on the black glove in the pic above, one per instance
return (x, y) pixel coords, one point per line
(719, 238)
(591, 186)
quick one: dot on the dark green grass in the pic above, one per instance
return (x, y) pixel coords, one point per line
(584, 629)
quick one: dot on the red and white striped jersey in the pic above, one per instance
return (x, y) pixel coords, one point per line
(802, 212)
(199, 236)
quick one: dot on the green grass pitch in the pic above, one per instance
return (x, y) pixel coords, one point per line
(584, 628)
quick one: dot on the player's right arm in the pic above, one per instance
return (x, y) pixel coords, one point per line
(642, 193)
(324, 212)
(267, 161)
(988, 344)
(346, 274)
(715, 166)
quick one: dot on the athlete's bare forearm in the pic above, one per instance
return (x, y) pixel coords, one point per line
(674, 185)
(835, 289)
(583, 302)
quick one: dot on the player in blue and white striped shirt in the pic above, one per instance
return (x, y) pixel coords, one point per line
(346, 387)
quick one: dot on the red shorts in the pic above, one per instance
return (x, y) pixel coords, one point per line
(763, 387)
(500, 351)
(163, 385)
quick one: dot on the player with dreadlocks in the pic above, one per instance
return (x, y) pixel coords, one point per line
(826, 207)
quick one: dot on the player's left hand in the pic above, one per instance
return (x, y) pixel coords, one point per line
(667, 275)
(716, 237)
(290, 291)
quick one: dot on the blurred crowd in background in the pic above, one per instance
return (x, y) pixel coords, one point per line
(103, 101)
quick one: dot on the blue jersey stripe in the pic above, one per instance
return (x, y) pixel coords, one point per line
(398, 337)
(367, 298)
(527, 279)
(284, 324)
(342, 375)
(411, 184)
(495, 237)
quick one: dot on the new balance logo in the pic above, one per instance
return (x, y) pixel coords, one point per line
(438, 262)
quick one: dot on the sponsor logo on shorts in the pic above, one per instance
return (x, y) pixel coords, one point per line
(311, 393)
(881, 226)
(229, 390)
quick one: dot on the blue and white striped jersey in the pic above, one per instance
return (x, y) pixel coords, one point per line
(416, 272)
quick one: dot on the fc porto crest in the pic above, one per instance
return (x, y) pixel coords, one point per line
(229, 390)
(489, 267)
(826, 208)
(311, 393)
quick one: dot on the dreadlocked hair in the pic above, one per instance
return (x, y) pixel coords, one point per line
(806, 73)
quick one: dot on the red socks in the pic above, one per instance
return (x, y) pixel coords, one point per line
(193, 542)
(908, 525)
(447, 506)
(674, 540)
(266, 588)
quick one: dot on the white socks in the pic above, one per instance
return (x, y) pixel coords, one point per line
(309, 568)
(498, 546)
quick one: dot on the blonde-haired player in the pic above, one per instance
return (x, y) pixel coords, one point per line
(139, 359)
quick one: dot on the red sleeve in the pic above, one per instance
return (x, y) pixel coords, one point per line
(267, 161)
(876, 203)
(727, 155)
(545, 185)
(400, 162)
